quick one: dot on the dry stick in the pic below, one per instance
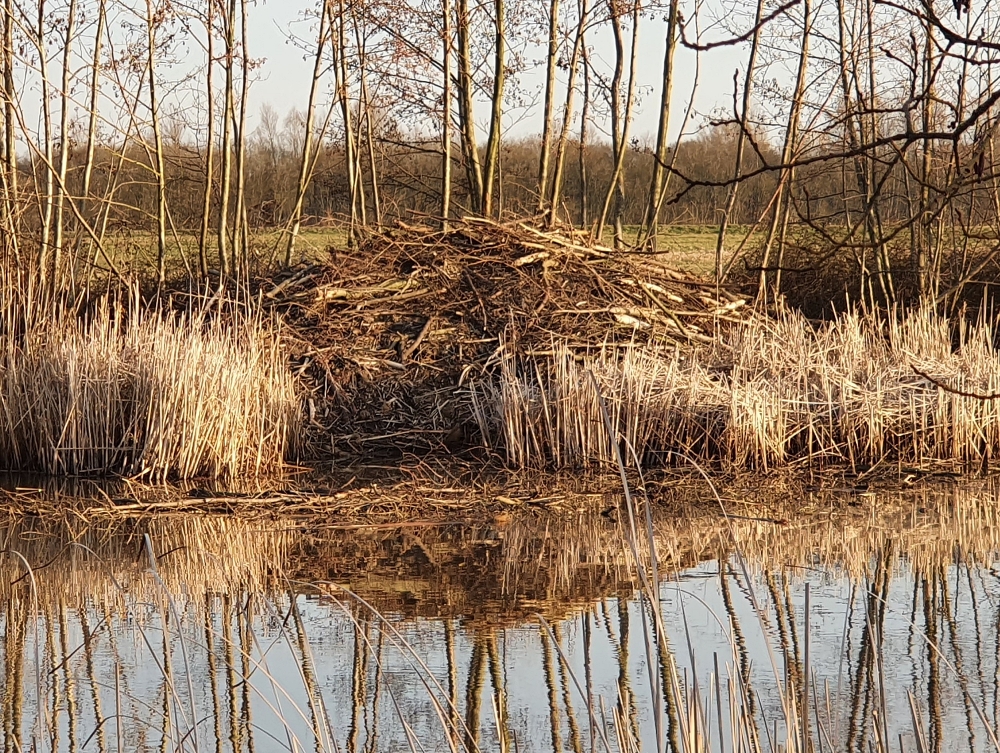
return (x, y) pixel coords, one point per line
(338, 44)
(954, 390)
(582, 147)
(649, 233)
(366, 109)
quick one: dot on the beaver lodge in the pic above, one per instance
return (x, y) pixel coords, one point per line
(508, 344)
(513, 342)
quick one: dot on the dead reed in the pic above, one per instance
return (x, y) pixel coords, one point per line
(146, 393)
(860, 390)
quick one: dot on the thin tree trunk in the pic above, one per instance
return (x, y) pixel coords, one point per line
(446, 117)
(373, 178)
(621, 121)
(584, 135)
(160, 166)
(663, 128)
(47, 200)
(10, 139)
(93, 103)
(779, 224)
(64, 148)
(306, 157)
(241, 239)
(466, 108)
(560, 164)
(496, 113)
(741, 141)
(925, 238)
(365, 117)
(206, 201)
(225, 179)
(345, 106)
(550, 95)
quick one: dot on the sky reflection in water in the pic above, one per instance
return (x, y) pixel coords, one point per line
(101, 653)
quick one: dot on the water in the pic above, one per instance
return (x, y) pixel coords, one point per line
(525, 634)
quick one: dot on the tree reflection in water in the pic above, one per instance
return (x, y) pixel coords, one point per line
(527, 636)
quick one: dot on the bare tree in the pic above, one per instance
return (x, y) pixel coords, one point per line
(496, 112)
(551, 60)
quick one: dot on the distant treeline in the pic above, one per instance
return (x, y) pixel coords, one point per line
(859, 142)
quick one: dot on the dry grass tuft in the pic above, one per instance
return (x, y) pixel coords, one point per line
(772, 392)
(148, 394)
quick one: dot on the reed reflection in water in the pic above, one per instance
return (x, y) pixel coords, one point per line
(220, 644)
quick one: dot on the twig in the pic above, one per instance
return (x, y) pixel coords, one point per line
(954, 390)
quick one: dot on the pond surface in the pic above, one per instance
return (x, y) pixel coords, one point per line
(861, 622)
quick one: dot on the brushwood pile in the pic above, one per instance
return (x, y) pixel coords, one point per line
(392, 337)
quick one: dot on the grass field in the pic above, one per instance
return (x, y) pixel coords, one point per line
(688, 248)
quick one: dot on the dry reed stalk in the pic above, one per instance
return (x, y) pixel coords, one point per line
(778, 391)
(143, 393)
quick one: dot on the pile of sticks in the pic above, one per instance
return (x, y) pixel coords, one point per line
(386, 333)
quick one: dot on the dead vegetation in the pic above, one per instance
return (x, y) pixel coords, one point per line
(508, 338)
(143, 393)
(391, 334)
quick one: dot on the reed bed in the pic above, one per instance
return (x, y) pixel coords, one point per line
(143, 392)
(915, 390)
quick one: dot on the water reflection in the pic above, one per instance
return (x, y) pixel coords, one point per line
(511, 635)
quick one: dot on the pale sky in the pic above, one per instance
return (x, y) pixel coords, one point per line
(285, 77)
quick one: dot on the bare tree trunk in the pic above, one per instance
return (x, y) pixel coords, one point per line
(93, 103)
(65, 99)
(466, 108)
(372, 162)
(226, 177)
(47, 200)
(365, 117)
(496, 113)
(306, 158)
(345, 107)
(241, 234)
(550, 95)
(621, 119)
(160, 166)
(11, 213)
(925, 236)
(584, 135)
(741, 141)
(560, 164)
(779, 222)
(206, 201)
(446, 117)
(663, 128)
